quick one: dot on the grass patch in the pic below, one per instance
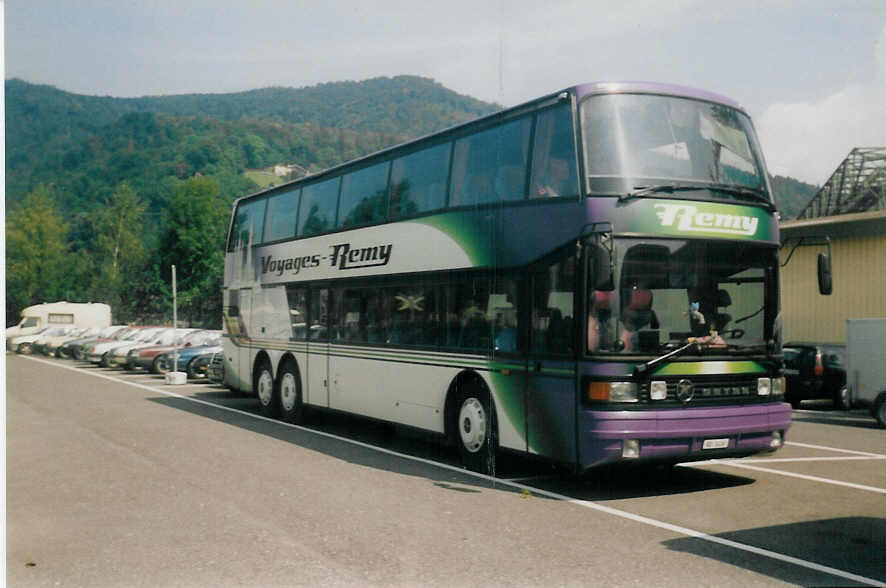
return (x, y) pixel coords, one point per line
(264, 179)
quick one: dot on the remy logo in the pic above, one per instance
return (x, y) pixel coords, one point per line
(687, 218)
(344, 256)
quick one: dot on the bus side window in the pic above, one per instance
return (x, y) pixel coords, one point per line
(318, 205)
(364, 196)
(281, 216)
(504, 312)
(490, 166)
(318, 314)
(297, 297)
(553, 310)
(418, 181)
(413, 315)
(553, 157)
(248, 226)
(467, 325)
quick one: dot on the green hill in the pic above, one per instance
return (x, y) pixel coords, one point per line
(791, 195)
(52, 133)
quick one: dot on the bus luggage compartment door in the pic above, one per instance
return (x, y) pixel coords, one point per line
(551, 409)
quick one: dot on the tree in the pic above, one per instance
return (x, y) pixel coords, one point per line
(38, 267)
(119, 251)
(193, 240)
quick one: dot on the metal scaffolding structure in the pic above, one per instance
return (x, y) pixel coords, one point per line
(857, 185)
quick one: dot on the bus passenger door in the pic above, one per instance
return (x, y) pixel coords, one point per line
(550, 397)
(242, 340)
(318, 348)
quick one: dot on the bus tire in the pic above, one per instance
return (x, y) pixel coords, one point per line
(474, 426)
(880, 410)
(292, 408)
(264, 388)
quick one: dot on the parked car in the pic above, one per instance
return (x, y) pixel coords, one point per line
(815, 371)
(189, 358)
(28, 344)
(71, 348)
(216, 370)
(14, 343)
(99, 352)
(149, 357)
(199, 366)
(118, 356)
(48, 345)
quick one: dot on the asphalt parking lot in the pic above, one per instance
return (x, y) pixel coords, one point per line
(115, 478)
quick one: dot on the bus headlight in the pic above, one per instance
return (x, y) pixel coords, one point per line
(764, 386)
(613, 392)
(778, 387)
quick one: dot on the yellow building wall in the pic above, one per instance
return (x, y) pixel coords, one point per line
(859, 268)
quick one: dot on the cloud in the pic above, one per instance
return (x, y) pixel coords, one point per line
(808, 140)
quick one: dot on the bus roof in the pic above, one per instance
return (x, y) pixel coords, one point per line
(585, 90)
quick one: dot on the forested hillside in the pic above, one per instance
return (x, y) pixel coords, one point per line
(792, 195)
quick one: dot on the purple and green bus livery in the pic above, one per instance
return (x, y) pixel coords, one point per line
(591, 277)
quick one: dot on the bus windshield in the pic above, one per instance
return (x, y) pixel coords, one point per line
(639, 141)
(723, 294)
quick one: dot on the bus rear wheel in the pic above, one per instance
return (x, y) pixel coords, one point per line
(292, 408)
(265, 390)
(474, 428)
(880, 410)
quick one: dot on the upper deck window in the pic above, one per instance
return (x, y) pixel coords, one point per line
(318, 205)
(490, 166)
(553, 156)
(634, 140)
(364, 196)
(418, 181)
(248, 227)
(281, 216)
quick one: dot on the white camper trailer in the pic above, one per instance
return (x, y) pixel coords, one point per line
(59, 314)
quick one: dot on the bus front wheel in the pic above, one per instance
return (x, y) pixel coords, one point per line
(474, 428)
(292, 407)
(263, 385)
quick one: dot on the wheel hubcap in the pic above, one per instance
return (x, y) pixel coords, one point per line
(265, 387)
(287, 392)
(472, 424)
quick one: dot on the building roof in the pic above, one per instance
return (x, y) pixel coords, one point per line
(858, 184)
(856, 224)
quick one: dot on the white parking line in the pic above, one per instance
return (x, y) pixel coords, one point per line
(517, 485)
(736, 464)
(790, 459)
(837, 449)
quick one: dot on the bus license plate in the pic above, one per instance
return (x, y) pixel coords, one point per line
(715, 444)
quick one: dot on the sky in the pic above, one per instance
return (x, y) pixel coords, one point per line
(812, 73)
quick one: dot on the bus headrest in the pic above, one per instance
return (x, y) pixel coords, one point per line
(602, 300)
(640, 300)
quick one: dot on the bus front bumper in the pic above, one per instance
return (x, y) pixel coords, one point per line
(681, 434)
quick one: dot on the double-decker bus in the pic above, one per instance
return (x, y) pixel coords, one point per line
(591, 277)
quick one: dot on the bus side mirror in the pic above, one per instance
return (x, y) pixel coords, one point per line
(601, 269)
(825, 277)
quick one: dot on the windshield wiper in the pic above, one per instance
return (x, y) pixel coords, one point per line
(640, 191)
(754, 193)
(645, 367)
